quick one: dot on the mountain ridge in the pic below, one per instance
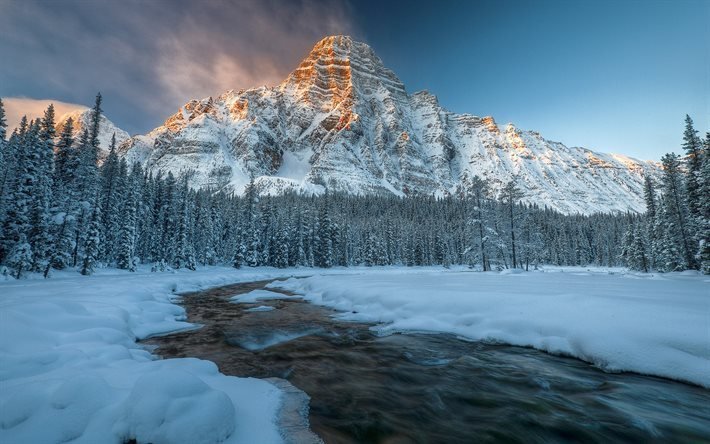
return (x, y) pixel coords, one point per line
(341, 120)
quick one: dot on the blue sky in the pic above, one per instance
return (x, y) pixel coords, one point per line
(608, 75)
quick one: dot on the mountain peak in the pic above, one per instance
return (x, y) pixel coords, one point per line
(333, 41)
(81, 118)
(339, 68)
(344, 47)
(343, 121)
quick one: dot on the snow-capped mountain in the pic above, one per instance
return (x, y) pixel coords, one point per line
(82, 119)
(342, 120)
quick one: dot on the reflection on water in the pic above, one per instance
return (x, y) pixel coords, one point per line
(425, 388)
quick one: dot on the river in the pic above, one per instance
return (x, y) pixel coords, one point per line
(430, 388)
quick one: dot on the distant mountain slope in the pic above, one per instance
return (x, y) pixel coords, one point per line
(82, 119)
(342, 120)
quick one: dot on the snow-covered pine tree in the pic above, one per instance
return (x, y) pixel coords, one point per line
(479, 192)
(324, 256)
(87, 172)
(17, 224)
(65, 160)
(60, 248)
(169, 213)
(266, 228)
(239, 254)
(634, 250)
(299, 256)
(704, 225)
(510, 194)
(370, 253)
(675, 210)
(281, 259)
(82, 193)
(649, 197)
(110, 199)
(126, 240)
(47, 125)
(96, 112)
(184, 253)
(92, 247)
(693, 150)
(640, 251)
(651, 223)
(150, 245)
(20, 257)
(252, 233)
(669, 256)
(204, 233)
(3, 151)
(3, 122)
(41, 235)
(144, 217)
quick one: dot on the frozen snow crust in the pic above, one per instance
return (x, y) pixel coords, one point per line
(70, 369)
(650, 324)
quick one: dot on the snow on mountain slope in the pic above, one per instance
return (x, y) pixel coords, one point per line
(343, 121)
(82, 119)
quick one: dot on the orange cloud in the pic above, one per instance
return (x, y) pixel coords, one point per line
(16, 107)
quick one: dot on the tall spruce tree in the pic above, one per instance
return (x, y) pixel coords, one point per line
(651, 222)
(65, 161)
(111, 199)
(479, 191)
(82, 191)
(93, 243)
(251, 229)
(41, 234)
(510, 196)
(3, 122)
(693, 150)
(324, 255)
(126, 245)
(18, 216)
(96, 112)
(675, 212)
(704, 224)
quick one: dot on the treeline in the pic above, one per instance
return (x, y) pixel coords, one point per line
(674, 233)
(59, 209)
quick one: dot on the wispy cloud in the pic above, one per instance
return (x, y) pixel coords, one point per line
(149, 57)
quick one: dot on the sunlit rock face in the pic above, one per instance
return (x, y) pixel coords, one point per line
(343, 121)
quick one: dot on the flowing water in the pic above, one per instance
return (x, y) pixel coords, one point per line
(431, 388)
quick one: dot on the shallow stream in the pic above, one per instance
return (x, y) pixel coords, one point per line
(431, 388)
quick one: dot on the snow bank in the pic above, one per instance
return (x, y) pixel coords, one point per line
(72, 371)
(650, 324)
(259, 295)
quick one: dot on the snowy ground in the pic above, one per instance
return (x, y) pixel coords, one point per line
(651, 324)
(70, 369)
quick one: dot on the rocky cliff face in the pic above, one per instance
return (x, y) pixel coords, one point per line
(343, 121)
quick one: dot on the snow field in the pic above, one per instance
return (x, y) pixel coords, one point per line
(650, 324)
(72, 371)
